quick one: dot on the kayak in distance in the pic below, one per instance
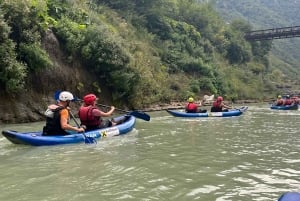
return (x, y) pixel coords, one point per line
(285, 107)
(229, 113)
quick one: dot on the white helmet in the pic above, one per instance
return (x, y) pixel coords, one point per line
(66, 96)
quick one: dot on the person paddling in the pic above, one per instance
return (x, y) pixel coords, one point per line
(288, 100)
(192, 107)
(218, 105)
(91, 116)
(57, 122)
(279, 101)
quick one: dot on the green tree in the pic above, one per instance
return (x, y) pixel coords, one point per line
(12, 72)
(28, 21)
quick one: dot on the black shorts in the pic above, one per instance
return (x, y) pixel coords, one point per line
(105, 123)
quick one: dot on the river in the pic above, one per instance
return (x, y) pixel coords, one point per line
(251, 157)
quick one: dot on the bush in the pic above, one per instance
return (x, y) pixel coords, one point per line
(35, 57)
(12, 72)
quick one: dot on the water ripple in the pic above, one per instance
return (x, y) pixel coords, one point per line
(252, 157)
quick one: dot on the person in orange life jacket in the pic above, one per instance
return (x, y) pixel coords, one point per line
(57, 116)
(218, 105)
(288, 101)
(192, 107)
(279, 101)
(91, 116)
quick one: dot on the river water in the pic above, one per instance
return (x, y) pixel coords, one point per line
(254, 157)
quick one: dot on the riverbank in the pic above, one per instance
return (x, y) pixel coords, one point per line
(31, 111)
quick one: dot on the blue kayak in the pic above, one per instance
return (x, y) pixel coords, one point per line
(290, 196)
(285, 107)
(37, 139)
(230, 113)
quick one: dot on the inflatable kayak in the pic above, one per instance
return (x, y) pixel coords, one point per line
(37, 139)
(230, 113)
(285, 107)
(290, 196)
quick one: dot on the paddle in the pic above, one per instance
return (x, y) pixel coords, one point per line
(242, 109)
(56, 95)
(137, 114)
(87, 140)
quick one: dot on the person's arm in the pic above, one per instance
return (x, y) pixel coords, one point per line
(226, 106)
(64, 116)
(200, 104)
(100, 113)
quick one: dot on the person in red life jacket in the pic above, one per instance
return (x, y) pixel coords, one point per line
(288, 100)
(279, 101)
(192, 107)
(57, 122)
(91, 116)
(218, 105)
(296, 99)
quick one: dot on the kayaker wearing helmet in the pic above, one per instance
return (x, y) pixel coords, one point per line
(91, 116)
(57, 122)
(192, 107)
(279, 101)
(218, 105)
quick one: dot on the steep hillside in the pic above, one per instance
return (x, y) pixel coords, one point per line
(131, 53)
(29, 104)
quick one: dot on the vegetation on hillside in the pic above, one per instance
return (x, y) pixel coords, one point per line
(284, 59)
(144, 52)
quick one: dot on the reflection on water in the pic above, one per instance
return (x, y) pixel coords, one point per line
(251, 157)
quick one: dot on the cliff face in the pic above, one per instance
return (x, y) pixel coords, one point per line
(30, 104)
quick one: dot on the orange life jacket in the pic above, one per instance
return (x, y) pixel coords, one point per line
(53, 126)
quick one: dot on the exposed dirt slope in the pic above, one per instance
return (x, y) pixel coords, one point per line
(30, 104)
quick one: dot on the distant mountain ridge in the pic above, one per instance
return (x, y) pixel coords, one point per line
(261, 13)
(266, 14)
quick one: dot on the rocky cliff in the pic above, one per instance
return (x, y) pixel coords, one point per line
(29, 104)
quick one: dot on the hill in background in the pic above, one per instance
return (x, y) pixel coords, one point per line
(266, 15)
(132, 53)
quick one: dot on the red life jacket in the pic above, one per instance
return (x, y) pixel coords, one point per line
(216, 107)
(86, 117)
(191, 107)
(217, 104)
(288, 102)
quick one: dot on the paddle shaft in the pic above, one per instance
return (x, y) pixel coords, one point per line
(115, 108)
(89, 139)
(72, 116)
(107, 106)
(138, 114)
